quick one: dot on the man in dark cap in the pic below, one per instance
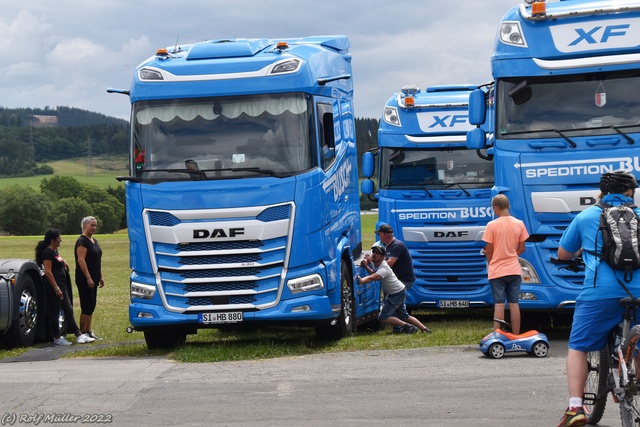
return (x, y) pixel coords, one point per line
(597, 309)
(394, 311)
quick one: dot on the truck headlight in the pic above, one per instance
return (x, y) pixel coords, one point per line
(391, 116)
(529, 274)
(511, 34)
(140, 290)
(305, 284)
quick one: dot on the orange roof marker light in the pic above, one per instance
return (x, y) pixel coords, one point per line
(162, 52)
(282, 45)
(538, 8)
(409, 92)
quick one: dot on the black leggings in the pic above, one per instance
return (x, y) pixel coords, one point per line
(88, 297)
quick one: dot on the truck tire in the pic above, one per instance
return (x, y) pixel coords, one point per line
(159, 338)
(22, 332)
(344, 324)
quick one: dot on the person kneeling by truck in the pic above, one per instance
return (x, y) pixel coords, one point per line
(394, 311)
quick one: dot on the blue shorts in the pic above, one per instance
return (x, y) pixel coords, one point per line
(592, 323)
(509, 285)
(394, 305)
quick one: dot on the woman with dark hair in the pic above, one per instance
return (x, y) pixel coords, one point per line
(55, 273)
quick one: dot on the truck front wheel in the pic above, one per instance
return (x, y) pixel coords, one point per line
(342, 326)
(22, 332)
(157, 338)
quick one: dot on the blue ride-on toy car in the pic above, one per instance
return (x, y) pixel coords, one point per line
(500, 341)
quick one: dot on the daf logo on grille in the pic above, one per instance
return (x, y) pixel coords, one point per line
(442, 234)
(218, 232)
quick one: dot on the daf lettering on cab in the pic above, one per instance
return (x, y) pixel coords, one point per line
(242, 199)
(567, 76)
(435, 193)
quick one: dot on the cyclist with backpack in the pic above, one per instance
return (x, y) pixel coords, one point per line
(609, 276)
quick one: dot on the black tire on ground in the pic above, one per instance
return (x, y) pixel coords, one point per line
(630, 408)
(159, 339)
(597, 376)
(344, 324)
(22, 332)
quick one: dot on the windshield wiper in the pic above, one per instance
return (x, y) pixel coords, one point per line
(424, 187)
(559, 132)
(461, 187)
(194, 173)
(624, 135)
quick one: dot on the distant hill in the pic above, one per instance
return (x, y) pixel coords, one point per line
(30, 137)
(58, 117)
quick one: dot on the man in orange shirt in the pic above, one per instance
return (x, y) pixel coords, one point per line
(505, 237)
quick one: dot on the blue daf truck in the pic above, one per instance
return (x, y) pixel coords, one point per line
(435, 193)
(242, 200)
(567, 78)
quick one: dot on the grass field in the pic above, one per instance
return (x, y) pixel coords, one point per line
(101, 173)
(454, 327)
(111, 317)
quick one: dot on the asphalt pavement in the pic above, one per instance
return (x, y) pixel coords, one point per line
(440, 386)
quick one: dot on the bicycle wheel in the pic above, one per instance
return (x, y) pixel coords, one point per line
(630, 405)
(596, 387)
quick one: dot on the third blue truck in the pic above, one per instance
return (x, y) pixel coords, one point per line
(435, 193)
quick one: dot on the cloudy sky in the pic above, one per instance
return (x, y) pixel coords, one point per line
(67, 52)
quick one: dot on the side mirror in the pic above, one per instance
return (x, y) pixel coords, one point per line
(366, 187)
(477, 108)
(368, 165)
(476, 139)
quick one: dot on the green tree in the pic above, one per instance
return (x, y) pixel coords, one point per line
(23, 211)
(109, 214)
(67, 213)
(61, 187)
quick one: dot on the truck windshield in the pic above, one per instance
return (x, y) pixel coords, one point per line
(434, 169)
(223, 137)
(590, 103)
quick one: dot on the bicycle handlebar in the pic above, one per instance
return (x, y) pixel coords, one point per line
(575, 264)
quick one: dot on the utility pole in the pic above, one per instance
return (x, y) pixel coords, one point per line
(31, 150)
(89, 164)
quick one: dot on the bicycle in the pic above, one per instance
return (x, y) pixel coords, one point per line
(614, 370)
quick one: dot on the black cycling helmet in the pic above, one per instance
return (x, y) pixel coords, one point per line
(617, 181)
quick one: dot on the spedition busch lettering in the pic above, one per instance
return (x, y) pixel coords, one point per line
(454, 214)
(578, 167)
(217, 233)
(339, 181)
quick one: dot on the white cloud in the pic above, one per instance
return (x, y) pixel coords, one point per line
(67, 52)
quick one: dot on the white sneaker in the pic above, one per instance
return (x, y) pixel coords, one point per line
(92, 335)
(84, 339)
(61, 341)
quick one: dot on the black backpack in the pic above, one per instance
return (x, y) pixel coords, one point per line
(620, 231)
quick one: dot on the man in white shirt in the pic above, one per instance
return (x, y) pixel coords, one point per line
(394, 311)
